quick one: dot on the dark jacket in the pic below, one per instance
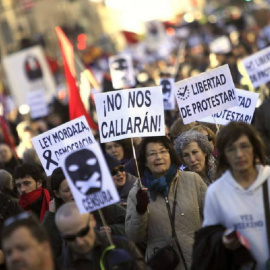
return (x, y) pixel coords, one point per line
(114, 215)
(124, 191)
(209, 253)
(91, 261)
(8, 208)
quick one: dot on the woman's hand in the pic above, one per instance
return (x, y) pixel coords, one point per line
(230, 241)
(52, 206)
(142, 200)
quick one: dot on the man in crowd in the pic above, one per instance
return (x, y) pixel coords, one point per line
(87, 249)
(26, 244)
(30, 180)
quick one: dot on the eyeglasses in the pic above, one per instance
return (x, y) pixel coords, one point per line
(162, 153)
(243, 147)
(83, 232)
(116, 170)
(21, 216)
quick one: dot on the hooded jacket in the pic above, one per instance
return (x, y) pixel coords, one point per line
(229, 204)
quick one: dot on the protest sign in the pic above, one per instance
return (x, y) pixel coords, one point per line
(37, 103)
(243, 112)
(258, 67)
(167, 91)
(89, 179)
(121, 68)
(220, 45)
(130, 113)
(53, 144)
(205, 94)
(28, 70)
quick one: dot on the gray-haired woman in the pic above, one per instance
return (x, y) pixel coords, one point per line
(195, 152)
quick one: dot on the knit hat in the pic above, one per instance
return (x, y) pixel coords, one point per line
(111, 161)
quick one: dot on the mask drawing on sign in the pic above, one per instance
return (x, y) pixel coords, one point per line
(84, 171)
(166, 90)
(32, 68)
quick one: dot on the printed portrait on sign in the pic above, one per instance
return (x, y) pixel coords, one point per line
(32, 68)
(84, 170)
(167, 91)
(122, 71)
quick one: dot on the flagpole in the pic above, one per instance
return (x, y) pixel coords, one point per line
(135, 158)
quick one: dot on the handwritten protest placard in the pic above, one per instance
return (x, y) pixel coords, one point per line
(130, 113)
(121, 68)
(258, 67)
(168, 96)
(243, 112)
(89, 178)
(53, 144)
(205, 94)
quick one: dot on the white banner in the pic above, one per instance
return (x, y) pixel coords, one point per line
(37, 103)
(243, 112)
(258, 67)
(205, 94)
(53, 144)
(27, 71)
(89, 179)
(220, 45)
(121, 68)
(168, 96)
(130, 113)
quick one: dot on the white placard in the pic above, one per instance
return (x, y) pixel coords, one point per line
(220, 45)
(122, 73)
(130, 113)
(37, 103)
(52, 145)
(258, 67)
(155, 34)
(205, 94)
(27, 71)
(168, 96)
(89, 179)
(243, 112)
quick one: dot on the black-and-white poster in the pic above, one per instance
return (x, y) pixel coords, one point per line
(168, 94)
(89, 179)
(53, 144)
(121, 68)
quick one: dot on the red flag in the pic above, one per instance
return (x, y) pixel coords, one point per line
(76, 107)
(7, 136)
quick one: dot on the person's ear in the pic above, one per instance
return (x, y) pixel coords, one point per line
(39, 183)
(56, 193)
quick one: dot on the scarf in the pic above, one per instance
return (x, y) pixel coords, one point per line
(27, 199)
(160, 185)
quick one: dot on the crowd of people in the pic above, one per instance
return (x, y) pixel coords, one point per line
(195, 198)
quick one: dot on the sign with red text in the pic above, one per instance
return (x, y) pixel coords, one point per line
(205, 94)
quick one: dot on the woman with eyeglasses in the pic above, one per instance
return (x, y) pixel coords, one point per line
(236, 199)
(148, 216)
(122, 180)
(195, 152)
